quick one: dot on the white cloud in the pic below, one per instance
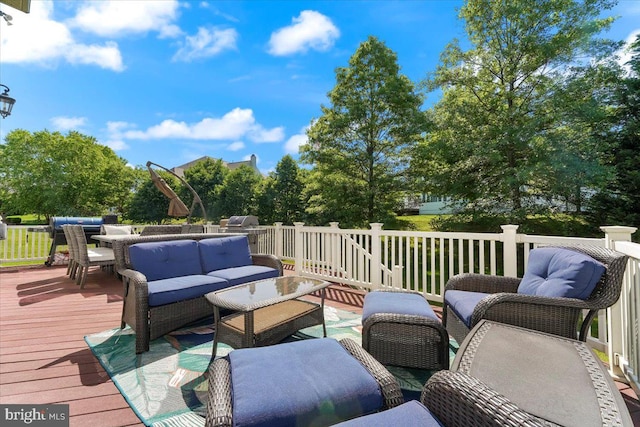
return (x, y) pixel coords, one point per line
(37, 38)
(625, 52)
(62, 123)
(310, 30)
(259, 134)
(116, 18)
(236, 146)
(117, 144)
(115, 131)
(234, 125)
(107, 56)
(206, 43)
(292, 146)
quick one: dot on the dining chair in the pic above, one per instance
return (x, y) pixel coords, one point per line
(72, 266)
(98, 256)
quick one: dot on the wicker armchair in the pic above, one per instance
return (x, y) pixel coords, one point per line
(554, 315)
(152, 322)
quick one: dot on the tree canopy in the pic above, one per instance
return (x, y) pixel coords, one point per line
(52, 174)
(361, 144)
(503, 140)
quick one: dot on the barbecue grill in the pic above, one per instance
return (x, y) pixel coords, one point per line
(91, 228)
(246, 224)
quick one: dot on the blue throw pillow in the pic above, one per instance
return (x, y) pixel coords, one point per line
(559, 272)
(164, 260)
(224, 252)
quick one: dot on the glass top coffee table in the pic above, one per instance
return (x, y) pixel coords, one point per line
(266, 311)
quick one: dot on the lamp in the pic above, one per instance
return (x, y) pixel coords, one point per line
(6, 102)
(176, 206)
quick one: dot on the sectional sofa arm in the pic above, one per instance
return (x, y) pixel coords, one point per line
(267, 260)
(483, 283)
(133, 276)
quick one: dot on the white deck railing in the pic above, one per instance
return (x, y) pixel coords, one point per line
(421, 261)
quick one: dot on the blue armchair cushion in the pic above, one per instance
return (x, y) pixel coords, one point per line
(559, 272)
(247, 273)
(167, 291)
(224, 252)
(396, 303)
(309, 382)
(462, 303)
(164, 260)
(409, 414)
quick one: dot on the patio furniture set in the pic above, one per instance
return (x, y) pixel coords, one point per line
(519, 362)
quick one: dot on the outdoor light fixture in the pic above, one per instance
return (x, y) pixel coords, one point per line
(176, 206)
(8, 18)
(6, 102)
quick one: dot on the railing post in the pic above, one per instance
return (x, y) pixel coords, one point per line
(334, 237)
(617, 233)
(510, 250)
(376, 259)
(615, 339)
(278, 240)
(299, 247)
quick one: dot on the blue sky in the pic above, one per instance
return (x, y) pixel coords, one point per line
(171, 81)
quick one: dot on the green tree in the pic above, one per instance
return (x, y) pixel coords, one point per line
(207, 178)
(619, 201)
(289, 205)
(238, 193)
(67, 175)
(497, 125)
(361, 144)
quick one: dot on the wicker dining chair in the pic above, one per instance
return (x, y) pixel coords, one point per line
(499, 299)
(86, 258)
(72, 265)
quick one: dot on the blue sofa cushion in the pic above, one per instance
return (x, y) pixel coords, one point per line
(224, 252)
(167, 291)
(163, 260)
(462, 303)
(409, 414)
(248, 273)
(309, 382)
(397, 303)
(558, 272)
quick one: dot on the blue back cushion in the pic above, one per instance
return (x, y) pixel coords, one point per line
(559, 272)
(164, 260)
(304, 383)
(224, 252)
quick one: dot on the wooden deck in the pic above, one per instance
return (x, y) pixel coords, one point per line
(44, 317)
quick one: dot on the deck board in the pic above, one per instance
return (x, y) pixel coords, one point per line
(44, 317)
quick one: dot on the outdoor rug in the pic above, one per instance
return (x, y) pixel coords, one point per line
(166, 386)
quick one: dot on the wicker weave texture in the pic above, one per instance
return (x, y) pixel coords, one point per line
(406, 340)
(152, 322)
(559, 316)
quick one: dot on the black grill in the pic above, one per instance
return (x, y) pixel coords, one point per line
(242, 221)
(91, 227)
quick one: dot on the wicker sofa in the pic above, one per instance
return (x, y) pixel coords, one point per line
(165, 278)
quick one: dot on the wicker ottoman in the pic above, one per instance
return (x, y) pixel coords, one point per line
(313, 382)
(400, 328)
